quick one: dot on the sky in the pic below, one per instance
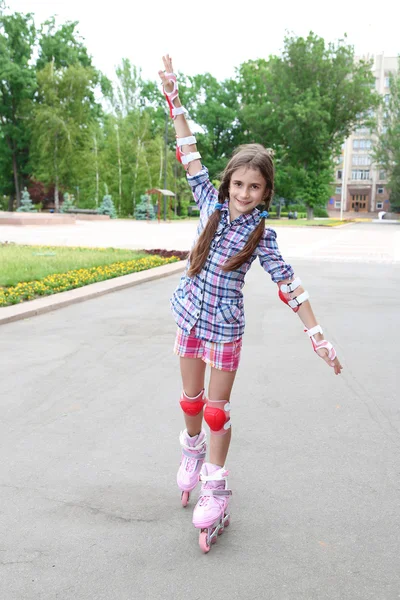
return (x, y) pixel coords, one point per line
(214, 36)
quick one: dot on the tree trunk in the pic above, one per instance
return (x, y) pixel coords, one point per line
(16, 181)
(310, 213)
(56, 198)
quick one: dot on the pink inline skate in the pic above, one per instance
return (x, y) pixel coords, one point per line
(211, 513)
(193, 455)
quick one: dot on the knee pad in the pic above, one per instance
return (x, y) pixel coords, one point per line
(192, 406)
(216, 415)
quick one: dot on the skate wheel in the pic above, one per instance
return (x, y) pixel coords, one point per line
(221, 531)
(226, 524)
(204, 547)
(185, 498)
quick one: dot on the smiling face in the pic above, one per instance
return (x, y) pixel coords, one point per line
(247, 189)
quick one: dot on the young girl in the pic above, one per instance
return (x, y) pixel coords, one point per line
(208, 306)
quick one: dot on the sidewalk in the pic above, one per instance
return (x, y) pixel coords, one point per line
(89, 425)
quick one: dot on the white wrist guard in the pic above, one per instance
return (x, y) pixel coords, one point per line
(322, 344)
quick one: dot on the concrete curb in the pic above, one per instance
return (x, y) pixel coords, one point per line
(56, 301)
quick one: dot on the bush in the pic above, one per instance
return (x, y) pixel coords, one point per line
(107, 207)
(144, 209)
(320, 211)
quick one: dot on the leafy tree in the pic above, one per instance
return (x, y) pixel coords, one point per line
(17, 89)
(304, 103)
(61, 130)
(214, 106)
(61, 45)
(387, 151)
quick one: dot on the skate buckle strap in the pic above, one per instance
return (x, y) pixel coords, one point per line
(219, 475)
(216, 493)
(184, 445)
(187, 452)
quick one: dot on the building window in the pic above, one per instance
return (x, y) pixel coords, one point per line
(379, 205)
(387, 82)
(381, 190)
(362, 131)
(338, 160)
(338, 190)
(361, 144)
(360, 174)
(338, 204)
(382, 175)
(361, 159)
(339, 174)
(386, 98)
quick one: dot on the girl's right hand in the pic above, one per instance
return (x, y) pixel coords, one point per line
(168, 85)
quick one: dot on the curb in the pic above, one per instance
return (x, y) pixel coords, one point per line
(31, 308)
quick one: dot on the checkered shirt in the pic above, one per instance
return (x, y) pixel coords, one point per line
(212, 301)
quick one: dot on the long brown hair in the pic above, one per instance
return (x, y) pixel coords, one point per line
(252, 156)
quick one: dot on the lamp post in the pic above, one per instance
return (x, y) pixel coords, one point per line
(343, 191)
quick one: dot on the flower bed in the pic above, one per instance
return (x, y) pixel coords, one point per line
(52, 284)
(181, 254)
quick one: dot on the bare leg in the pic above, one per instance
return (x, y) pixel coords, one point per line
(193, 371)
(220, 388)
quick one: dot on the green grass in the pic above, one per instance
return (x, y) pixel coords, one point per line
(30, 263)
(304, 222)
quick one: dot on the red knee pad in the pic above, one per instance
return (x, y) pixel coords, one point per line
(216, 415)
(192, 406)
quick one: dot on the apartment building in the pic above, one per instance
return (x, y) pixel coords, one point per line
(364, 181)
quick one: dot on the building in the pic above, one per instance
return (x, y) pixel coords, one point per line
(365, 183)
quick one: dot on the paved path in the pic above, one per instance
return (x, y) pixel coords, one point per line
(89, 423)
(358, 242)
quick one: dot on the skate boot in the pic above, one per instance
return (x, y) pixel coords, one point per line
(193, 455)
(211, 513)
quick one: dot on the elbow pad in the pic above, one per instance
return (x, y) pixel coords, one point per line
(285, 290)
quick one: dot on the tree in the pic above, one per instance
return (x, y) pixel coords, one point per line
(107, 207)
(61, 45)
(61, 130)
(214, 106)
(26, 203)
(387, 151)
(17, 89)
(304, 103)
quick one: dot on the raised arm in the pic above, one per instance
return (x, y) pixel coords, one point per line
(186, 143)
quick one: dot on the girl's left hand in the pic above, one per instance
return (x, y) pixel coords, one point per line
(335, 363)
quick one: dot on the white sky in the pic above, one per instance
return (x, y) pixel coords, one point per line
(215, 35)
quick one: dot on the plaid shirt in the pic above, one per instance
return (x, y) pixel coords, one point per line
(212, 301)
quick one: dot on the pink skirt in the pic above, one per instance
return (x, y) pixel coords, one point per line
(222, 356)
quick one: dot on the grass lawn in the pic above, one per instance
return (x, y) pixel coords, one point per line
(28, 272)
(30, 263)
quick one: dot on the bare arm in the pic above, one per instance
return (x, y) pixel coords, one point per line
(182, 128)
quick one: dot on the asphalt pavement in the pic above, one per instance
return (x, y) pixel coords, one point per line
(89, 425)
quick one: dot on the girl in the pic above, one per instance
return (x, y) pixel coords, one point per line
(208, 306)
